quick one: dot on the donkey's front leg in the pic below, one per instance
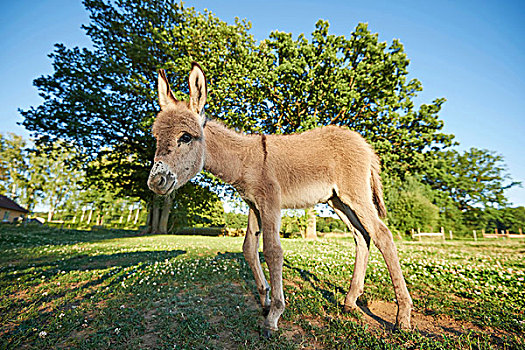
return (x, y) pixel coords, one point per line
(250, 249)
(273, 254)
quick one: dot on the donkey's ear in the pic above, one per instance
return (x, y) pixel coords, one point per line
(198, 89)
(166, 97)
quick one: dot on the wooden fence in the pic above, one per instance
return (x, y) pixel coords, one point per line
(441, 233)
(503, 234)
(420, 234)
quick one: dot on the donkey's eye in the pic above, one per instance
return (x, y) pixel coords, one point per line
(185, 138)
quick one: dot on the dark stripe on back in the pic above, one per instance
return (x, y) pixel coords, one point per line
(263, 141)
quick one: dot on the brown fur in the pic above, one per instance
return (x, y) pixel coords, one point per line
(331, 164)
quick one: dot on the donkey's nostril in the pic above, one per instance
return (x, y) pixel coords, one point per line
(161, 180)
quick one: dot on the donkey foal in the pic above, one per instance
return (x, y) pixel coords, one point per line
(326, 165)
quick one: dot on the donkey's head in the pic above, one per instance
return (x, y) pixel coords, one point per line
(178, 129)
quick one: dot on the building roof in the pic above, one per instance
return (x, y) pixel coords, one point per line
(6, 203)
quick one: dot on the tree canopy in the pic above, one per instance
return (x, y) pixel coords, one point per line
(102, 101)
(475, 177)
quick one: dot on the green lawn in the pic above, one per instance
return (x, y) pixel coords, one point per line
(115, 289)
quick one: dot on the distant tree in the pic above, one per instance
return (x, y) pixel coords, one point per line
(514, 219)
(410, 205)
(474, 178)
(236, 220)
(59, 176)
(197, 206)
(329, 224)
(293, 224)
(502, 219)
(4, 166)
(21, 176)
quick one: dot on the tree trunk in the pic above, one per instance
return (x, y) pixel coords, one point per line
(147, 229)
(154, 227)
(51, 212)
(311, 232)
(158, 214)
(137, 216)
(129, 215)
(13, 191)
(165, 214)
(90, 216)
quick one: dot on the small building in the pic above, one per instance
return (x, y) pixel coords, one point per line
(10, 211)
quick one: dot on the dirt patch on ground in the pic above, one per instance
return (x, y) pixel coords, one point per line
(296, 283)
(299, 336)
(150, 339)
(381, 316)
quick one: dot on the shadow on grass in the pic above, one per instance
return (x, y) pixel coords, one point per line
(316, 283)
(245, 273)
(76, 291)
(30, 236)
(85, 262)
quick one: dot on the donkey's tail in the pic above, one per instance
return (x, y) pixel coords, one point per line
(377, 188)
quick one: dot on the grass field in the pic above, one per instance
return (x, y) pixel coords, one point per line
(118, 290)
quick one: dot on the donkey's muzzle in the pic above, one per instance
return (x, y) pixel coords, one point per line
(161, 180)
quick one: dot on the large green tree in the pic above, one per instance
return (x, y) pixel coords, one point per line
(357, 82)
(473, 178)
(354, 81)
(104, 99)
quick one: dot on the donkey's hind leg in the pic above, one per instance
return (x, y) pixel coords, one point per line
(384, 241)
(366, 219)
(250, 249)
(361, 255)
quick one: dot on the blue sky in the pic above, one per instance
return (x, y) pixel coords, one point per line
(470, 52)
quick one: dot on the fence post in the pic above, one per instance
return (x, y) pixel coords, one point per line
(442, 233)
(450, 235)
(483, 232)
(475, 237)
(418, 234)
(520, 231)
(136, 216)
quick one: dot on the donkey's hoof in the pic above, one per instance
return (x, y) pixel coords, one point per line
(265, 311)
(266, 333)
(347, 308)
(403, 325)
